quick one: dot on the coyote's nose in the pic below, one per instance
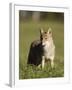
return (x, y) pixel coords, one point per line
(43, 44)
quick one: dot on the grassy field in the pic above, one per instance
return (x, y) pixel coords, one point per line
(28, 32)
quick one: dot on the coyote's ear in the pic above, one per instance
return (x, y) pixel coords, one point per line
(50, 31)
(41, 31)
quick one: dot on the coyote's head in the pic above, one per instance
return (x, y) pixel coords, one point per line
(45, 37)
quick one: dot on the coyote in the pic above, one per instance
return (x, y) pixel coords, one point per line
(42, 50)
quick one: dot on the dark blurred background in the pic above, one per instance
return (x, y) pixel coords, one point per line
(38, 16)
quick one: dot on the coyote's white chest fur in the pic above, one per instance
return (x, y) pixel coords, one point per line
(49, 50)
(42, 49)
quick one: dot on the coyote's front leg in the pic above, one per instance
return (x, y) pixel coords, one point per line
(52, 63)
(43, 62)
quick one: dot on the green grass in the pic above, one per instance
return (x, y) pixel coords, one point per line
(28, 32)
